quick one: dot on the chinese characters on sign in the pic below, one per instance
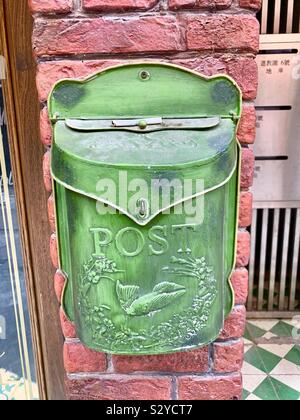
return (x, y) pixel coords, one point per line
(275, 65)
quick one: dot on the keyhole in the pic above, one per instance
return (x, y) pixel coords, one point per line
(143, 208)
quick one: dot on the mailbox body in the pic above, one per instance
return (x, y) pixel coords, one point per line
(146, 165)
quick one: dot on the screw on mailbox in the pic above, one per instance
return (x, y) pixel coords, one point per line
(145, 75)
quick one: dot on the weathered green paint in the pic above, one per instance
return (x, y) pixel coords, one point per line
(146, 279)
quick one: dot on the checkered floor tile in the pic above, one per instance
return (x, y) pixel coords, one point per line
(272, 361)
(271, 370)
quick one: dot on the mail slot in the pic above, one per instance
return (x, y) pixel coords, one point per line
(145, 164)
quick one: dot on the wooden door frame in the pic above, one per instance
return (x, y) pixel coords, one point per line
(22, 109)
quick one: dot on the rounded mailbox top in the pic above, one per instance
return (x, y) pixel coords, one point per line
(145, 89)
(157, 148)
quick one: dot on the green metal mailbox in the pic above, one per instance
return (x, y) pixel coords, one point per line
(146, 165)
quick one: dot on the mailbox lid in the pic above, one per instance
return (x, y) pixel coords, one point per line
(88, 145)
(156, 148)
(81, 159)
(145, 89)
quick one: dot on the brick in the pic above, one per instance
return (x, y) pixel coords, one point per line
(247, 127)
(228, 357)
(51, 213)
(119, 6)
(243, 249)
(240, 284)
(79, 359)
(51, 6)
(45, 128)
(242, 69)
(192, 361)
(59, 285)
(248, 163)
(246, 205)
(223, 33)
(251, 4)
(235, 324)
(199, 4)
(99, 35)
(54, 251)
(120, 387)
(210, 388)
(68, 328)
(47, 172)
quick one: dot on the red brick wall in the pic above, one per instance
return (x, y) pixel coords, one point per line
(73, 38)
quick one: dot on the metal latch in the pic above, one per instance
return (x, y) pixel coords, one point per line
(144, 124)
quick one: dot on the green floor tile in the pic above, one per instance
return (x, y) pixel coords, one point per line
(273, 390)
(294, 355)
(282, 329)
(245, 395)
(284, 392)
(253, 332)
(262, 359)
(247, 336)
(266, 391)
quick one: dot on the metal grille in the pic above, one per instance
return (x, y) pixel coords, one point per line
(275, 265)
(274, 268)
(280, 17)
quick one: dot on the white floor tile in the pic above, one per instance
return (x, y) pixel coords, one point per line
(278, 349)
(252, 382)
(293, 381)
(252, 370)
(286, 368)
(265, 324)
(253, 397)
(269, 336)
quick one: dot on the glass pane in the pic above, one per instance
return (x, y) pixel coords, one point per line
(17, 371)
